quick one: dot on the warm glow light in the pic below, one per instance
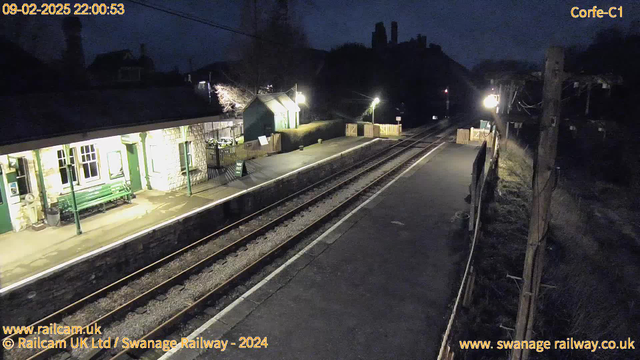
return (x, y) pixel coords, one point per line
(490, 101)
(376, 101)
(300, 98)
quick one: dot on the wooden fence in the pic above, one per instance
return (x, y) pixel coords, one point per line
(462, 136)
(371, 130)
(465, 136)
(351, 129)
(227, 156)
(484, 167)
(390, 129)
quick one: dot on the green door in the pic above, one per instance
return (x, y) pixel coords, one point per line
(5, 218)
(134, 167)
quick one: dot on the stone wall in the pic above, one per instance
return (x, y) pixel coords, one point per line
(164, 153)
(42, 296)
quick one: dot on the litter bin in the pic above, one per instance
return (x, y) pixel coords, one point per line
(53, 216)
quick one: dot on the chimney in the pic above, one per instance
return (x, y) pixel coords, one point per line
(143, 50)
(74, 53)
(394, 33)
(379, 37)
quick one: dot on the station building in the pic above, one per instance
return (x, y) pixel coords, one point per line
(135, 137)
(269, 113)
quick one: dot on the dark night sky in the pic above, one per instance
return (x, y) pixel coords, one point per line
(468, 31)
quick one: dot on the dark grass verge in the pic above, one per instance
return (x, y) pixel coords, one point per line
(592, 260)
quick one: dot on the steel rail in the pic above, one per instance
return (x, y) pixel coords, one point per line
(255, 266)
(113, 315)
(138, 273)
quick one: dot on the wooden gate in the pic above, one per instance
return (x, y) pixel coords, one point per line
(351, 130)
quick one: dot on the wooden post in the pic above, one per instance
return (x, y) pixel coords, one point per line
(468, 292)
(586, 109)
(41, 184)
(542, 188)
(472, 209)
(506, 140)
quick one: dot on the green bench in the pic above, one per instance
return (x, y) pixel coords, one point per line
(96, 195)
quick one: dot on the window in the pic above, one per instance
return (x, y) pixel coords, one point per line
(62, 166)
(89, 158)
(22, 176)
(116, 170)
(181, 152)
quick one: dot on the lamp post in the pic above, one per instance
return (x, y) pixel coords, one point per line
(375, 102)
(446, 91)
(490, 101)
(74, 202)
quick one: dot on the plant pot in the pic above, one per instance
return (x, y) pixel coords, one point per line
(53, 216)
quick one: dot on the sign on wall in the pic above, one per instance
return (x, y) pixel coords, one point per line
(13, 189)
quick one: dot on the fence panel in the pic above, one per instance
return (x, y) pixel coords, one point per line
(351, 129)
(390, 129)
(462, 136)
(227, 156)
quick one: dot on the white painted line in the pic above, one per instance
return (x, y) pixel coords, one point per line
(170, 221)
(257, 286)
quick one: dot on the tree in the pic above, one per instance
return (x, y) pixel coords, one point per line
(272, 56)
(232, 98)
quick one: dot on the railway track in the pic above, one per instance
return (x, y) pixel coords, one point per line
(266, 221)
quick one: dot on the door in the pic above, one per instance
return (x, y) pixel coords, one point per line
(134, 167)
(5, 218)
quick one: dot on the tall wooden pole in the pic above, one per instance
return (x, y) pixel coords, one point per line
(543, 182)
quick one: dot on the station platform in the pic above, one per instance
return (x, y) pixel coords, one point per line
(376, 285)
(27, 253)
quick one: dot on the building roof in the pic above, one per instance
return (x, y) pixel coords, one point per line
(276, 102)
(114, 60)
(21, 72)
(41, 116)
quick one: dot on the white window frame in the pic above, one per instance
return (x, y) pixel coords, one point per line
(89, 155)
(115, 175)
(74, 165)
(23, 162)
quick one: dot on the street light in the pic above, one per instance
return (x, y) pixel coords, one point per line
(446, 91)
(490, 101)
(375, 102)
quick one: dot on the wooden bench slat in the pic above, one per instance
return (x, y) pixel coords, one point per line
(94, 196)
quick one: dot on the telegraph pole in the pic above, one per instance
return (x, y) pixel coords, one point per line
(543, 183)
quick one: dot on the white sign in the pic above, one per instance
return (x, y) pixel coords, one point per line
(398, 118)
(263, 140)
